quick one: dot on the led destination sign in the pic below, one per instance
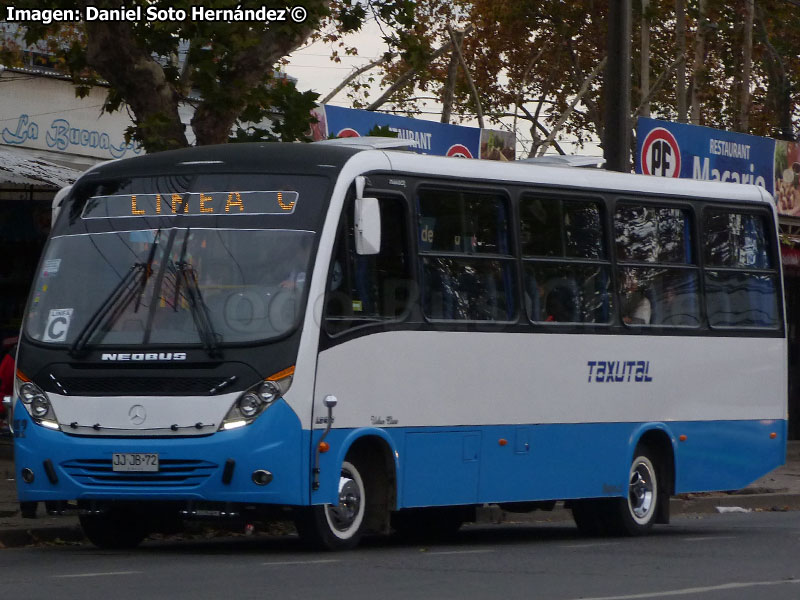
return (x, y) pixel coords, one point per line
(191, 203)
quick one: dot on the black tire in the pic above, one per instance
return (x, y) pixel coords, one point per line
(591, 516)
(340, 527)
(430, 524)
(116, 529)
(632, 515)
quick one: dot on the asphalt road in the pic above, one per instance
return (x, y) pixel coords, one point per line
(713, 557)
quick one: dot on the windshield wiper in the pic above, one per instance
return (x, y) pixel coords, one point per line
(148, 269)
(117, 301)
(200, 313)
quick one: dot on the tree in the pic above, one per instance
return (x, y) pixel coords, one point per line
(221, 60)
(534, 62)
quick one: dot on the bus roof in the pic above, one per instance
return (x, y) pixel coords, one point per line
(327, 159)
(591, 179)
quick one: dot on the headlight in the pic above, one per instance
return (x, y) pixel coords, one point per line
(28, 391)
(36, 402)
(255, 400)
(40, 407)
(249, 405)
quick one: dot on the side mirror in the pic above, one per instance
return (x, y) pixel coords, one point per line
(367, 226)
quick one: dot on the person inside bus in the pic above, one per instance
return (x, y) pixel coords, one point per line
(561, 304)
(636, 306)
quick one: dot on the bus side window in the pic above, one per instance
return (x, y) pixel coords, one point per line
(466, 259)
(741, 280)
(657, 271)
(566, 270)
(373, 288)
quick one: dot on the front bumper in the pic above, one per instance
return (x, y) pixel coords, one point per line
(69, 468)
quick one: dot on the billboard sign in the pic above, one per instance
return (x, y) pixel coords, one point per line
(668, 149)
(431, 137)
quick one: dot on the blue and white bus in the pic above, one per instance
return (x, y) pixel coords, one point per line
(368, 339)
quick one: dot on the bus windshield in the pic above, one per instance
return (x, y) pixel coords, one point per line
(175, 285)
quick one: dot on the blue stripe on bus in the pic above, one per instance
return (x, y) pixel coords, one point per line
(435, 465)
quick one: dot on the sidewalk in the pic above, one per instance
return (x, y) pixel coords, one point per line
(777, 491)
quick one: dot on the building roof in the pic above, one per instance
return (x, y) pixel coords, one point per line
(21, 166)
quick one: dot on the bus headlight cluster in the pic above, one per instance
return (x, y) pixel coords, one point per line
(36, 402)
(257, 399)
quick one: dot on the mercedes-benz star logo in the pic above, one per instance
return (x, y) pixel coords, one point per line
(137, 414)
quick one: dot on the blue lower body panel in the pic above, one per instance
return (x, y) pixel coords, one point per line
(515, 463)
(190, 468)
(434, 466)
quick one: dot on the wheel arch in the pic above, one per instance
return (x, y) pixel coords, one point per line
(374, 453)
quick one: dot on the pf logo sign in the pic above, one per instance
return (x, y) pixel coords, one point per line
(459, 151)
(661, 155)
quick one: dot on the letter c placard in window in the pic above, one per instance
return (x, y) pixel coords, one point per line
(281, 202)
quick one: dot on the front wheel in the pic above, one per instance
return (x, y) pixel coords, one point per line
(116, 529)
(340, 526)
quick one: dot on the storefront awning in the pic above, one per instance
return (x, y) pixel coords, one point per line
(24, 167)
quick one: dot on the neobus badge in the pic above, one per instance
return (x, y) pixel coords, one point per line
(162, 356)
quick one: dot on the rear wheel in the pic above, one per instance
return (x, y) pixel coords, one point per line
(339, 526)
(637, 512)
(116, 529)
(634, 514)
(434, 523)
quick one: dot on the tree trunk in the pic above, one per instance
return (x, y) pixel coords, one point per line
(698, 68)
(645, 66)
(578, 97)
(215, 117)
(452, 74)
(113, 52)
(680, 42)
(470, 81)
(778, 85)
(747, 60)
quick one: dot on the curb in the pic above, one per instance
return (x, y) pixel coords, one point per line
(52, 532)
(16, 538)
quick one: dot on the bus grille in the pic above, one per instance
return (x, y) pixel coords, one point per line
(139, 386)
(172, 473)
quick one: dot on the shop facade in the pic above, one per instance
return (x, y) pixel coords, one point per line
(48, 137)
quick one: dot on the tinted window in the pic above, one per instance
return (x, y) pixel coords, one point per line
(652, 234)
(567, 276)
(369, 288)
(468, 272)
(741, 282)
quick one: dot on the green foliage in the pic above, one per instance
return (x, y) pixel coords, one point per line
(382, 131)
(228, 71)
(288, 108)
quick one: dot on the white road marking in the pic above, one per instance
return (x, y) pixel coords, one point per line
(590, 545)
(459, 552)
(696, 590)
(709, 538)
(301, 562)
(107, 574)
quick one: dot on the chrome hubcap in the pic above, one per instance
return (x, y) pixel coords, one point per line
(641, 491)
(344, 514)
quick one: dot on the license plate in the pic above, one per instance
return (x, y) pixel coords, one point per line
(135, 461)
